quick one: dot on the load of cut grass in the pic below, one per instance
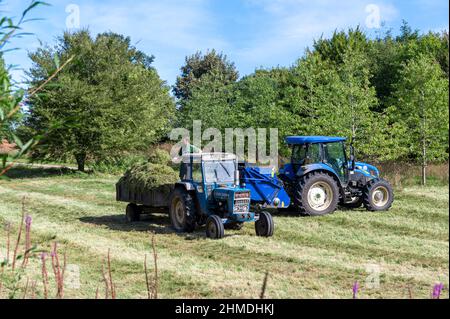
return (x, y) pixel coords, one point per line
(159, 156)
(148, 176)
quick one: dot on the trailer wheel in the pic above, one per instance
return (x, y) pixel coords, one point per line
(182, 211)
(378, 195)
(132, 213)
(316, 194)
(214, 227)
(264, 225)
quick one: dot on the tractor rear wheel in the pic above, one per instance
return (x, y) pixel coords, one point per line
(378, 195)
(316, 194)
(214, 227)
(182, 211)
(264, 225)
(132, 213)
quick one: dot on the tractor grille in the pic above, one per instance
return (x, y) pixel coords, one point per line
(241, 205)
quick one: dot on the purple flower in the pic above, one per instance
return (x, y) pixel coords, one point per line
(355, 289)
(437, 290)
(28, 221)
(43, 256)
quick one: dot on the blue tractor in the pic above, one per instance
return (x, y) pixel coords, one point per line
(210, 193)
(320, 176)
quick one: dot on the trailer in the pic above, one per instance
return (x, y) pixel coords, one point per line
(140, 202)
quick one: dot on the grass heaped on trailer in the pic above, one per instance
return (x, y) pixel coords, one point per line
(148, 176)
(313, 257)
(152, 174)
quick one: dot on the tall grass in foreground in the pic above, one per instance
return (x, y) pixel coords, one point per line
(16, 277)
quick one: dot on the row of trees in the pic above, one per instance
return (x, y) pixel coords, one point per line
(389, 94)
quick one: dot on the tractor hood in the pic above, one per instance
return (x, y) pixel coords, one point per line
(366, 169)
(225, 193)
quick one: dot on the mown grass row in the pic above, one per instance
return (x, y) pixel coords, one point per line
(307, 257)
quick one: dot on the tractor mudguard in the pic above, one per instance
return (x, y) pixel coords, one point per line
(186, 185)
(316, 167)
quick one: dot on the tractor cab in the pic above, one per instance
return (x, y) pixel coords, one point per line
(320, 176)
(210, 193)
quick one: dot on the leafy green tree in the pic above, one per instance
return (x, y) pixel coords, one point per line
(420, 106)
(212, 64)
(210, 102)
(107, 102)
(340, 43)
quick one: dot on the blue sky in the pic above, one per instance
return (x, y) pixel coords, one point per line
(253, 33)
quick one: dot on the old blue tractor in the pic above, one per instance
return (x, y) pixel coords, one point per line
(210, 193)
(320, 176)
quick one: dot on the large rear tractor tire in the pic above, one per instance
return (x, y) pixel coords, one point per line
(378, 195)
(264, 226)
(316, 194)
(132, 213)
(182, 211)
(214, 227)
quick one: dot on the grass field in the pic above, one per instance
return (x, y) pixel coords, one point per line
(307, 257)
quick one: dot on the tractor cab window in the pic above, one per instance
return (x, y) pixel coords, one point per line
(334, 155)
(220, 171)
(306, 154)
(299, 154)
(197, 175)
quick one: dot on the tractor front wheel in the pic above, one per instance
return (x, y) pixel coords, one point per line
(264, 225)
(182, 211)
(378, 195)
(316, 194)
(214, 227)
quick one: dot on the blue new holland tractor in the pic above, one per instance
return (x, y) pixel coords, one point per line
(318, 178)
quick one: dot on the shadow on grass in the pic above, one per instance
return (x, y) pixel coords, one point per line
(288, 212)
(157, 223)
(22, 172)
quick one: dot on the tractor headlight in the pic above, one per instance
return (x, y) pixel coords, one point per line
(276, 201)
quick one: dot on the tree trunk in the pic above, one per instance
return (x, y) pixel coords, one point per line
(424, 141)
(424, 163)
(81, 159)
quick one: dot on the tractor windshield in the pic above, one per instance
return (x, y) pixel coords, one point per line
(219, 171)
(335, 157)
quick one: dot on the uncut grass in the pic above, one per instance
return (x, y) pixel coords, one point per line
(308, 257)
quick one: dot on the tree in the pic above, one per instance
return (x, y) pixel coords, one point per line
(107, 102)
(212, 64)
(420, 106)
(209, 102)
(335, 99)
